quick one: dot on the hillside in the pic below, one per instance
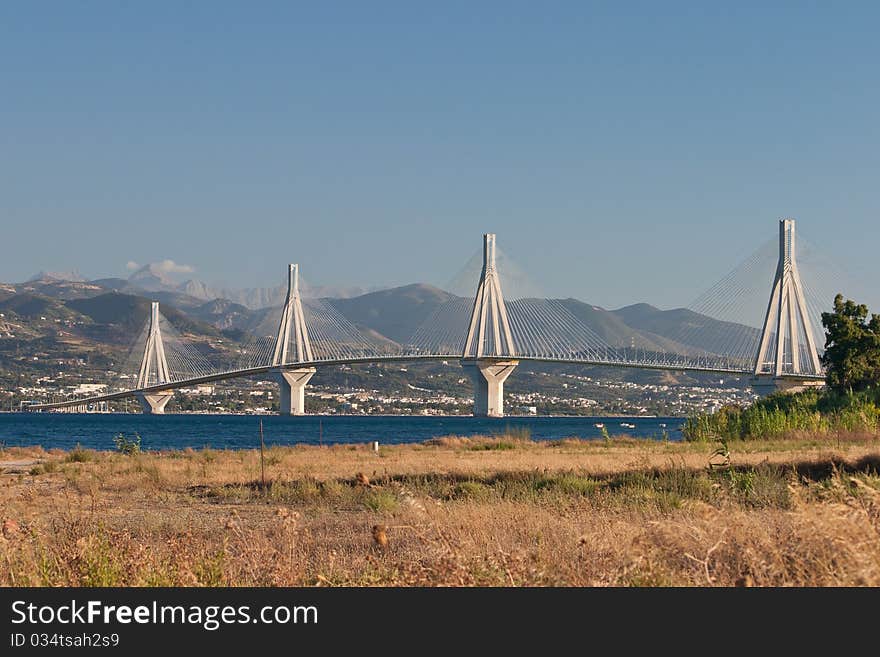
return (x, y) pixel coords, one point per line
(222, 313)
(117, 284)
(393, 314)
(685, 326)
(59, 289)
(133, 312)
(6, 291)
(396, 313)
(35, 306)
(616, 332)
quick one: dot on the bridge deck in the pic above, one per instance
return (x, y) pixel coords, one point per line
(270, 369)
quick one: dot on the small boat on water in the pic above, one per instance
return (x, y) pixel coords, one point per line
(628, 425)
(662, 425)
(599, 425)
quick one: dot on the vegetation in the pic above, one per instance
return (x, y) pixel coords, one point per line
(128, 446)
(816, 412)
(572, 512)
(852, 347)
(79, 455)
(850, 404)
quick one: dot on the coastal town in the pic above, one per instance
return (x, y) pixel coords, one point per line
(424, 393)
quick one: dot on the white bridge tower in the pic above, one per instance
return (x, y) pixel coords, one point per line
(489, 352)
(293, 381)
(788, 347)
(154, 368)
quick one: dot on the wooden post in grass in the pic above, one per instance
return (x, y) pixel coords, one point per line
(262, 458)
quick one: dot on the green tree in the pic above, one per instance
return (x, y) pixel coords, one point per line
(852, 346)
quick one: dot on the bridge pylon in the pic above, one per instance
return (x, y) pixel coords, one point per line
(292, 381)
(489, 356)
(154, 368)
(787, 358)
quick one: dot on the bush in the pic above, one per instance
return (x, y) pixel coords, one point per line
(128, 446)
(472, 490)
(496, 444)
(46, 467)
(79, 455)
(569, 483)
(762, 487)
(380, 500)
(813, 411)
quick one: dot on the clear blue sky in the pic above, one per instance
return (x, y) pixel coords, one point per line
(621, 151)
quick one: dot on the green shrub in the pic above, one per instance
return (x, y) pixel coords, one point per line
(101, 564)
(128, 446)
(811, 411)
(471, 490)
(761, 487)
(570, 484)
(380, 500)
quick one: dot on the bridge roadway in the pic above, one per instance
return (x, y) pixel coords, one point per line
(270, 369)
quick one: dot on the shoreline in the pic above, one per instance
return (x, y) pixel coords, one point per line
(364, 415)
(496, 443)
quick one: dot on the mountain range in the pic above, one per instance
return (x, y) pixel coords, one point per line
(152, 280)
(392, 314)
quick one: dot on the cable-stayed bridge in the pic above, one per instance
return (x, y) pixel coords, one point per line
(491, 334)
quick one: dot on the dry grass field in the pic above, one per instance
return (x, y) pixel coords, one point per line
(508, 512)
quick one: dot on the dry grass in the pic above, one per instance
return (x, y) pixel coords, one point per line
(457, 511)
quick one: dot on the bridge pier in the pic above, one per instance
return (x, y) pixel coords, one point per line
(488, 376)
(154, 403)
(767, 384)
(293, 387)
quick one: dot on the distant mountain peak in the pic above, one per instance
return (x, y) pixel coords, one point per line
(197, 289)
(72, 276)
(638, 307)
(152, 277)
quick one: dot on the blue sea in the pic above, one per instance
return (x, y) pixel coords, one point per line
(94, 430)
